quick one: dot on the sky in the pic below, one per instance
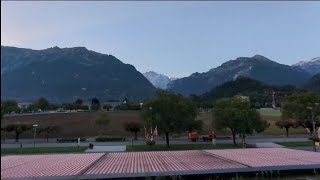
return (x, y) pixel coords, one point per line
(171, 38)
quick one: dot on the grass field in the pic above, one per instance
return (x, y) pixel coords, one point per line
(41, 150)
(297, 144)
(74, 125)
(173, 147)
(269, 112)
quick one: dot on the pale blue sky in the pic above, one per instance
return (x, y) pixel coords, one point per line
(173, 38)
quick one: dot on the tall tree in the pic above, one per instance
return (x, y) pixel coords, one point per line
(79, 102)
(304, 108)
(134, 127)
(43, 103)
(9, 106)
(17, 129)
(286, 124)
(95, 104)
(237, 115)
(169, 112)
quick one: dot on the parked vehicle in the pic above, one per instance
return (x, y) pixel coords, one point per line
(195, 136)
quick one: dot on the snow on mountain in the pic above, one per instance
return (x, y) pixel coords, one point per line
(312, 66)
(158, 80)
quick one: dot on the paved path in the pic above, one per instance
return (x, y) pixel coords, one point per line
(268, 145)
(107, 149)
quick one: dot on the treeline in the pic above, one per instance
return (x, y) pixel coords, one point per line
(42, 104)
(258, 93)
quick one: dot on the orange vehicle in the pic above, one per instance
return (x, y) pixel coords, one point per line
(195, 136)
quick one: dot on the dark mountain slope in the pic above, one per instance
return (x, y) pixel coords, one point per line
(63, 74)
(256, 67)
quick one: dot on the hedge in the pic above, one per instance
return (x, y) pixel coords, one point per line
(61, 140)
(109, 138)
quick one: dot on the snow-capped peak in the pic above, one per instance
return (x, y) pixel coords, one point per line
(312, 61)
(312, 66)
(158, 80)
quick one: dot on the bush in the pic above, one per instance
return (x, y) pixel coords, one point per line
(150, 143)
(109, 138)
(90, 146)
(62, 140)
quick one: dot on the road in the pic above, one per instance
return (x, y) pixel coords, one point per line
(53, 143)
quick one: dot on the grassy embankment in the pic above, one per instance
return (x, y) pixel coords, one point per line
(175, 147)
(297, 144)
(41, 150)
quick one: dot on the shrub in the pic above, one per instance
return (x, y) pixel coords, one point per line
(150, 143)
(109, 138)
(62, 140)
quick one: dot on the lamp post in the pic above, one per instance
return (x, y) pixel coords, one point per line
(313, 127)
(151, 134)
(34, 135)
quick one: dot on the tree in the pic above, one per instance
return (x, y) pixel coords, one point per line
(102, 119)
(9, 106)
(133, 127)
(17, 129)
(48, 130)
(78, 102)
(43, 103)
(107, 107)
(303, 108)
(286, 124)
(2, 114)
(237, 115)
(194, 126)
(169, 112)
(95, 104)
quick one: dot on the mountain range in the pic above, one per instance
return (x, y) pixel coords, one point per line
(158, 80)
(259, 93)
(64, 74)
(312, 66)
(257, 67)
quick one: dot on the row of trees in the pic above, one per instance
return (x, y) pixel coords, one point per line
(175, 113)
(9, 106)
(18, 129)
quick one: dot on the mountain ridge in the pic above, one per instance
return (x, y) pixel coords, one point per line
(63, 74)
(257, 67)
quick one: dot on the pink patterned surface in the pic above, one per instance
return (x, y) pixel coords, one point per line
(134, 163)
(159, 162)
(46, 165)
(12, 161)
(263, 157)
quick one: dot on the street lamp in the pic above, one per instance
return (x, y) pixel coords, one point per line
(34, 135)
(151, 135)
(313, 127)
